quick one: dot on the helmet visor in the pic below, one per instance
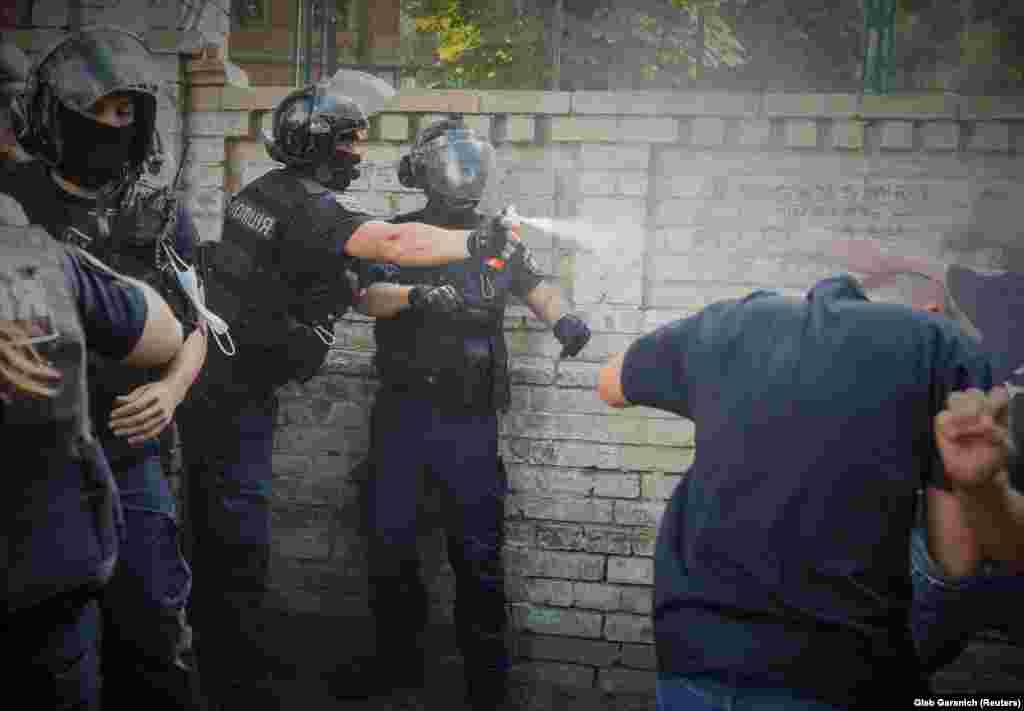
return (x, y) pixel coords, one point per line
(370, 92)
(456, 165)
(88, 66)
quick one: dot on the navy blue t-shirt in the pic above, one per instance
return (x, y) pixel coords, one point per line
(782, 557)
(113, 312)
(52, 536)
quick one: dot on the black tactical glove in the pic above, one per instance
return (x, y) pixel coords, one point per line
(435, 299)
(573, 333)
(489, 239)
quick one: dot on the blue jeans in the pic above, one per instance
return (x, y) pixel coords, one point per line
(144, 627)
(413, 438)
(228, 450)
(702, 692)
(946, 612)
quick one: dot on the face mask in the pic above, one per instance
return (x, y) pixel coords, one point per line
(93, 154)
(189, 282)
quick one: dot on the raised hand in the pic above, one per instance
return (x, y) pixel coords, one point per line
(973, 436)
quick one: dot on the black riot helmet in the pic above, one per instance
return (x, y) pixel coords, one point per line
(62, 89)
(313, 130)
(450, 163)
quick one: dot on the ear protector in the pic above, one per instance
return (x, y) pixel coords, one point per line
(407, 174)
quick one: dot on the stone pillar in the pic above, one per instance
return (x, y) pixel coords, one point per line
(204, 128)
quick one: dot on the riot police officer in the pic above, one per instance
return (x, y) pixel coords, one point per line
(279, 277)
(88, 117)
(62, 523)
(441, 357)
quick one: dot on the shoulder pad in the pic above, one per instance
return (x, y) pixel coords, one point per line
(348, 202)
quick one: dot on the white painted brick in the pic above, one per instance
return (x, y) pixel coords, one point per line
(559, 509)
(633, 184)
(614, 157)
(897, 135)
(617, 486)
(659, 486)
(595, 596)
(552, 564)
(552, 674)
(636, 571)
(218, 123)
(557, 621)
(639, 513)
(637, 599)
(206, 149)
(629, 628)
(707, 131)
(990, 136)
(536, 480)
(549, 592)
(755, 133)
(940, 135)
(592, 183)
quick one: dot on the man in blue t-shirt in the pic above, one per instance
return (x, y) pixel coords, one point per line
(948, 609)
(88, 119)
(61, 507)
(781, 568)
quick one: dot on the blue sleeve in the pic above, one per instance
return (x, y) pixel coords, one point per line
(186, 236)
(654, 370)
(113, 312)
(345, 216)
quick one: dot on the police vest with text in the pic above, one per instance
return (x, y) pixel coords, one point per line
(460, 358)
(272, 280)
(62, 521)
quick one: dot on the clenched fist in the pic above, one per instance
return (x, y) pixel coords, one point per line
(973, 436)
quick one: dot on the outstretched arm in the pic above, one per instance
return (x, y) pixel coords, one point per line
(410, 244)
(609, 383)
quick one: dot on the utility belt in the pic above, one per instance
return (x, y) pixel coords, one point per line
(469, 390)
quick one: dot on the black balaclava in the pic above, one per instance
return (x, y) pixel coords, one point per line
(440, 210)
(93, 154)
(339, 173)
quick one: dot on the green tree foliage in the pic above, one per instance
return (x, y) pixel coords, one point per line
(485, 43)
(958, 45)
(475, 43)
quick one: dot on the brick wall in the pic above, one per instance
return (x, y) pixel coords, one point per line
(711, 195)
